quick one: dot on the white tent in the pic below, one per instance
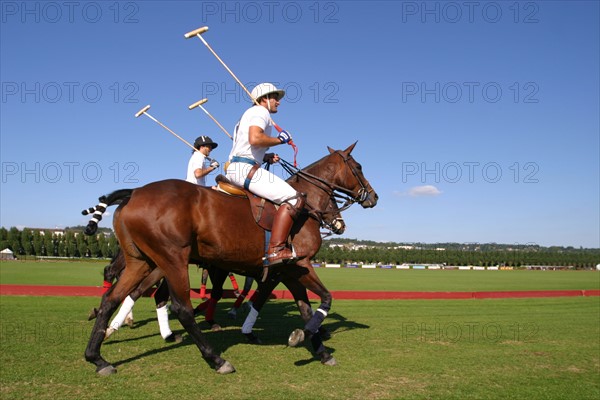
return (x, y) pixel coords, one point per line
(7, 254)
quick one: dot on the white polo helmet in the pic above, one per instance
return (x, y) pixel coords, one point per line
(263, 89)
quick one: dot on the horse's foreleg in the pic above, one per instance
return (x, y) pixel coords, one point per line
(312, 328)
(119, 319)
(130, 300)
(218, 278)
(241, 297)
(161, 296)
(263, 292)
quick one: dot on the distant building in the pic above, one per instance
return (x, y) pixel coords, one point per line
(7, 254)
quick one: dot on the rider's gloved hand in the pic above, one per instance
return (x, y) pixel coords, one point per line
(284, 137)
(214, 164)
(271, 158)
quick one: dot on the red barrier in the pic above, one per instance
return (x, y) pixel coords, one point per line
(96, 291)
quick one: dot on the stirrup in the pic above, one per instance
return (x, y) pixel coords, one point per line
(282, 261)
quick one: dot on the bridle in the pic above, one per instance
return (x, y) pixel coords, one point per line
(334, 192)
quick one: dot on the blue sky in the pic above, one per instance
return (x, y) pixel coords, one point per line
(475, 121)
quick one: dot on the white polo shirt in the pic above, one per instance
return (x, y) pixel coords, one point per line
(254, 116)
(197, 160)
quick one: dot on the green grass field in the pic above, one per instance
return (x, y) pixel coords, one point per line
(510, 348)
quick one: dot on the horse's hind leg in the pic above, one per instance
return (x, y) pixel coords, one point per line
(131, 277)
(176, 273)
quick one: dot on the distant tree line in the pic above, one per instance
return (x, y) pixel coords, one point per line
(70, 242)
(455, 254)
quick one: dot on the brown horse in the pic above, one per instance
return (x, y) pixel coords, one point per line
(164, 224)
(330, 218)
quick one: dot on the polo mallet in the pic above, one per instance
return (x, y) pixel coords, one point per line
(144, 111)
(199, 105)
(198, 32)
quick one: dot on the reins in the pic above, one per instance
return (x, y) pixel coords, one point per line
(345, 195)
(317, 214)
(336, 193)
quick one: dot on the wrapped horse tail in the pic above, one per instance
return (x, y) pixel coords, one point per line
(112, 199)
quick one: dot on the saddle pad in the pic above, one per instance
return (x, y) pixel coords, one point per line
(225, 186)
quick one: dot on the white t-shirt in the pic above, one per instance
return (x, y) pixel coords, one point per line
(254, 116)
(197, 160)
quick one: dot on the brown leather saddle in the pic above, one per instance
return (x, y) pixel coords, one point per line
(263, 210)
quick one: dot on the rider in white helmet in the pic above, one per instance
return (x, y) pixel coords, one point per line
(252, 138)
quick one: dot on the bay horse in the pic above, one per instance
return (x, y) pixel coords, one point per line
(330, 218)
(165, 224)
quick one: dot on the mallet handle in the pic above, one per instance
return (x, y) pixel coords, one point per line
(197, 32)
(166, 127)
(199, 104)
(217, 122)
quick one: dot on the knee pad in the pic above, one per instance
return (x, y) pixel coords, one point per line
(296, 202)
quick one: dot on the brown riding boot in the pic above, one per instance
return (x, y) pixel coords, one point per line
(279, 252)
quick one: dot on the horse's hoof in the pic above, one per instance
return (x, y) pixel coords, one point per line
(93, 314)
(226, 368)
(109, 332)
(106, 371)
(129, 322)
(252, 338)
(330, 362)
(296, 338)
(216, 328)
(174, 338)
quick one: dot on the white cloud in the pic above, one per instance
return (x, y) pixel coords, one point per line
(426, 190)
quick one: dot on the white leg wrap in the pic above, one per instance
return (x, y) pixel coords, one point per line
(250, 321)
(163, 321)
(125, 309)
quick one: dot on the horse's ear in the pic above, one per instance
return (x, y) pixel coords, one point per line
(331, 151)
(350, 148)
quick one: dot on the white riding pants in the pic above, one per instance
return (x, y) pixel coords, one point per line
(263, 183)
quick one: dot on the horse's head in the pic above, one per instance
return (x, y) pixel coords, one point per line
(350, 179)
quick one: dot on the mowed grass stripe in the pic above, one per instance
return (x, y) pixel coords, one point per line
(90, 274)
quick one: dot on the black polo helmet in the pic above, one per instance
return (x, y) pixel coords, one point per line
(204, 141)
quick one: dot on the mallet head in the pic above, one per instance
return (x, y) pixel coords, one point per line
(195, 32)
(143, 110)
(197, 104)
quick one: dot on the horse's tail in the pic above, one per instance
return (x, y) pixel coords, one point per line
(112, 199)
